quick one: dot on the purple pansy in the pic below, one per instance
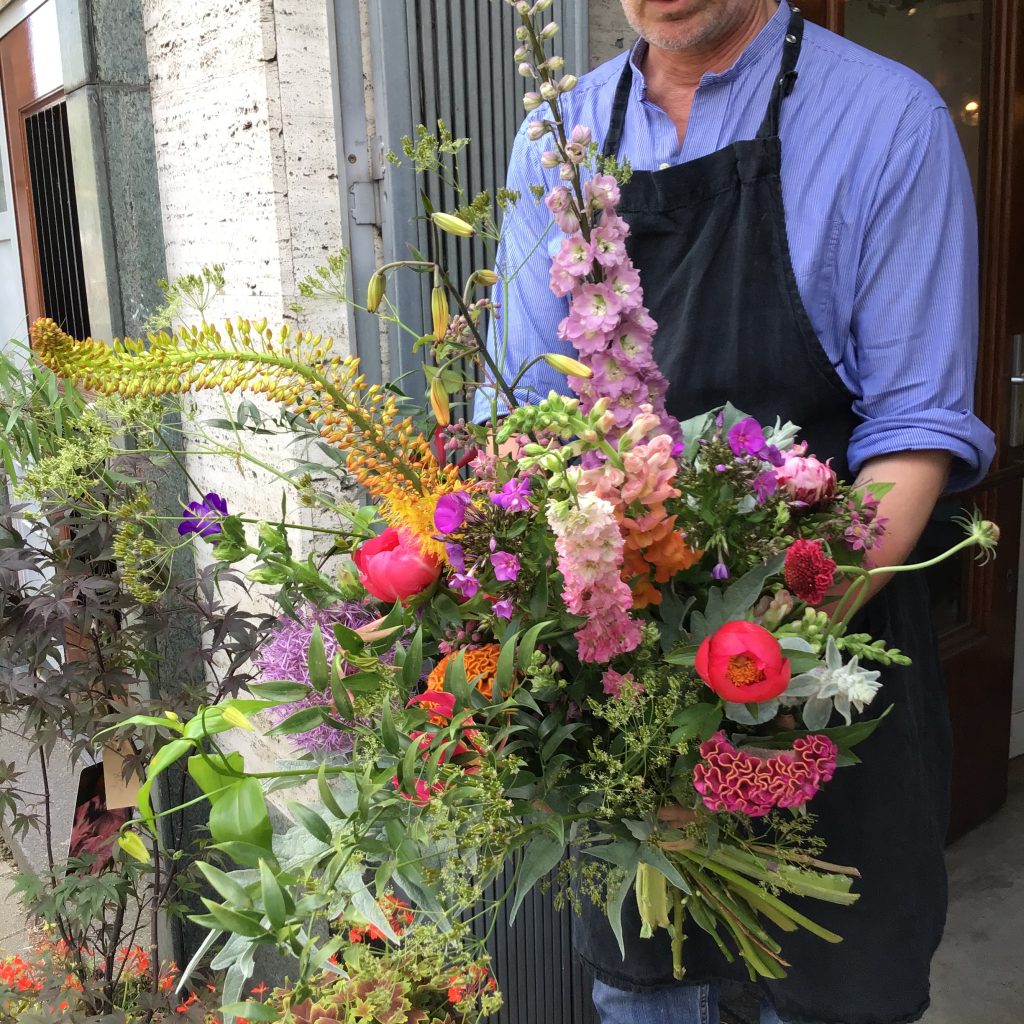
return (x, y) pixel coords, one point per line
(203, 517)
(747, 438)
(514, 496)
(450, 511)
(506, 566)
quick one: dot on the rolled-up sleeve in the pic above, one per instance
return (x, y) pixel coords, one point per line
(526, 320)
(915, 316)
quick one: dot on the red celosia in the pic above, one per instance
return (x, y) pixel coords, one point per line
(740, 782)
(808, 571)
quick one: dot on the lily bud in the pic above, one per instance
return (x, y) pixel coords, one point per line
(488, 278)
(375, 292)
(439, 403)
(531, 101)
(453, 225)
(234, 717)
(548, 91)
(549, 31)
(439, 312)
(133, 845)
(567, 365)
(567, 83)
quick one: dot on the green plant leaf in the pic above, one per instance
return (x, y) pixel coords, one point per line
(319, 674)
(301, 721)
(282, 691)
(240, 815)
(225, 886)
(311, 821)
(539, 857)
(273, 897)
(251, 1011)
(204, 772)
(412, 667)
(162, 760)
(231, 920)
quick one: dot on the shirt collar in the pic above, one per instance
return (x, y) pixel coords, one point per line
(768, 40)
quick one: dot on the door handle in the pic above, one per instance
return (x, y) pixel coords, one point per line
(1016, 432)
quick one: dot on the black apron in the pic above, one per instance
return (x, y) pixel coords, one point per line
(709, 240)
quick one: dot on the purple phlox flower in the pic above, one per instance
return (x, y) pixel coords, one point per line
(503, 608)
(514, 496)
(450, 511)
(720, 571)
(456, 556)
(203, 517)
(721, 468)
(506, 566)
(747, 438)
(774, 456)
(465, 584)
(765, 485)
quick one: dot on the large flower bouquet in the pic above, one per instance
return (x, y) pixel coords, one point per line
(581, 635)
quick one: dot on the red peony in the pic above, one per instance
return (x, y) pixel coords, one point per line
(393, 566)
(808, 571)
(743, 663)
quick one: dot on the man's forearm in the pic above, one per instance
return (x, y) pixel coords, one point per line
(918, 480)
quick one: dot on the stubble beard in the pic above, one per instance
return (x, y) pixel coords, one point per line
(697, 30)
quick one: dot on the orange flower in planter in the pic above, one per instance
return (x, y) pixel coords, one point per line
(481, 668)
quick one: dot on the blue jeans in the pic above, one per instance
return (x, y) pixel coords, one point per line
(678, 1004)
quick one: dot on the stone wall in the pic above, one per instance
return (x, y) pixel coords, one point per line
(610, 33)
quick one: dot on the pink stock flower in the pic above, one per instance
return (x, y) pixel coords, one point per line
(741, 782)
(586, 342)
(597, 307)
(804, 479)
(576, 256)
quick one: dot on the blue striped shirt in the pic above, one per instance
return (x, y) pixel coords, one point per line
(880, 218)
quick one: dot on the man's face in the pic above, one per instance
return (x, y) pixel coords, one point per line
(684, 24)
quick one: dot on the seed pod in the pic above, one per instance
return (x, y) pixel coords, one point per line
(439, 312)
(567, 365)
(439, 402)
(375, 292)
(453, 225)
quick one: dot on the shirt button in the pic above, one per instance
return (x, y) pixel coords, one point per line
(663, 167)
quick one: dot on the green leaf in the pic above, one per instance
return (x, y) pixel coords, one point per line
(240, 815)
(529, 644)
(653, 856)
(162, 759)
(348, 639)
(339, 691)
(699, 721)
(388, 732)
(246, 854)
(412, 667)
(273, 897)
(282, 691)
(319, 674)
(251, 1011)
(232, 920)
(742, 595)
(204, 772)
(614, 908)
(225, 885)
(539, 857)
(505, 671)
(311, 821)
(301, 721)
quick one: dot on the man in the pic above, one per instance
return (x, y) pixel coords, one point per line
(802, 220)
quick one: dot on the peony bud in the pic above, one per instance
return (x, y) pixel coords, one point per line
(567, 83)
(804, 479)
(439, 312)
(567, 365)
(133, 845)
(531, 101)
(453, 225)
(439, 403)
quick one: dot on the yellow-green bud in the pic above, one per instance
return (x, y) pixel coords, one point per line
(531, 101)
(375, 291)
(439, 312)
(550, 30)
(234, 717)
(567, 365)
(453, 225)
(131, 843)
(567, 83)
(439, 402)
(548, 91)
(488, 278)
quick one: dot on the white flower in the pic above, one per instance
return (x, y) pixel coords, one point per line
(833, 684)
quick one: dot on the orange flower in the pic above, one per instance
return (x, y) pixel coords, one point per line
(481, 668)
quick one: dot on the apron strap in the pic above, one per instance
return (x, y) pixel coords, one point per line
(787, 75)
(769, 126)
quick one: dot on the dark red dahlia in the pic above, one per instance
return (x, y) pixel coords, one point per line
(808, 571)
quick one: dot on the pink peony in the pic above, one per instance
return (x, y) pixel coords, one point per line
(393, 566)
(804, 479)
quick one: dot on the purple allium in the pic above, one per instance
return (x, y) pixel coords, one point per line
(514, 496)
(720, 571)
(203, 517)
(503, 608)
(746, 437)
(506, 566)
(765, 485)
(450, 511)
(285, 656)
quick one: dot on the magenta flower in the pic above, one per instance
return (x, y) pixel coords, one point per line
(456, 556)
(203, 517)
(746, 437)
(602, 192)
(765, 484)
(506, 566)
(465, 584)
(514, 496)
(597, 308)
(450, 511)
(720, 571)
(503, 608)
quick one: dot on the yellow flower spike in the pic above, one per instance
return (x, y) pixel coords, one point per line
(439, 402)
(439, 312)
(375, 292)
(132, 844)
(234, 717)
(453, 225)
(567, 365)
